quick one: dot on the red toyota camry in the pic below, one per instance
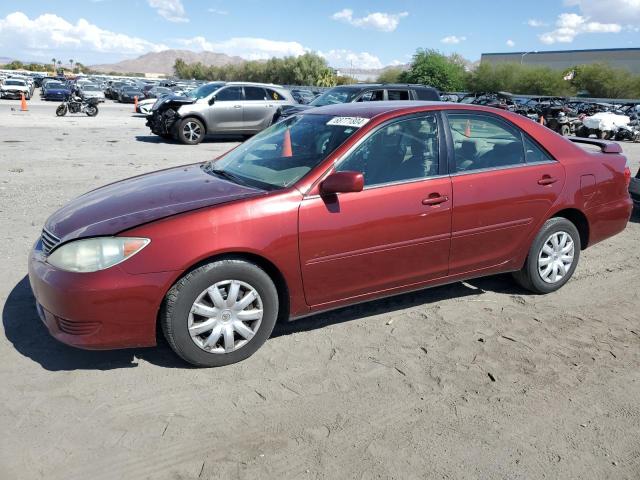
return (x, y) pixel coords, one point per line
(335, 206)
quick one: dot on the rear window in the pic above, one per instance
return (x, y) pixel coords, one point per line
(398, 94)
(427, 94)
(273, 95)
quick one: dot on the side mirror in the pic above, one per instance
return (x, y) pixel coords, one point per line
(342, 182)
(212, 100)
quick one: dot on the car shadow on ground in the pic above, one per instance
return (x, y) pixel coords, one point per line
(209, 139)
(25, 331)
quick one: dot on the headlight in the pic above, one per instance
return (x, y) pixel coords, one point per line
(93, 254)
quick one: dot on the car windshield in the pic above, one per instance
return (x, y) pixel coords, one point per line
(15, 82)
(335, 95)
(204, 90)
(90, 88)
(55, 85)
(285, 152)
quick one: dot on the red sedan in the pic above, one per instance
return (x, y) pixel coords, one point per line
(335, 206)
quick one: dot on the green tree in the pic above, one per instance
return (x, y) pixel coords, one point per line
(430, 67)
(390, 75)
(603, 81)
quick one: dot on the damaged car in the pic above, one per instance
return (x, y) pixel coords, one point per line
(236, 108)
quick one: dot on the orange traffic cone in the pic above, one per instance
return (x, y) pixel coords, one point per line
(135, 103)
(541, 120)
(287, 151)
(467, 131)
(23, 103)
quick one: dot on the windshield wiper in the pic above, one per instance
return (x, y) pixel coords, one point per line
(224, 174)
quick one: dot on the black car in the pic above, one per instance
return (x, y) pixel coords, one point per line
(128, 94)
(302, 96)
(371, 92)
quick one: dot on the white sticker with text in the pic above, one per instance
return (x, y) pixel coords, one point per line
(348, 121)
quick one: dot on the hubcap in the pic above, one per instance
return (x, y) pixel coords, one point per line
(192, 131)
(556, 257)
(225, 316)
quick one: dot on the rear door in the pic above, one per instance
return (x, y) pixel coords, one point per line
(255, 108)
(225, 115)
(394, 233)
(503, 184)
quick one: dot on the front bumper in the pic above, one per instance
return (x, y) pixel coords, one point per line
(14, 94)
(55, 96)
(98, 311)
(634, 190)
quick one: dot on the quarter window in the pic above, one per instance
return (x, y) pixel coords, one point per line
(481, 142)
(229, 94)
(401, 151)
(273, 95)
(534, 153)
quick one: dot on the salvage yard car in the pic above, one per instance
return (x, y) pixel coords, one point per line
(15, 88)
(230, 108)
(335, 206)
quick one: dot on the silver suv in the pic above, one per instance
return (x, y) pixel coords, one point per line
(218, 107)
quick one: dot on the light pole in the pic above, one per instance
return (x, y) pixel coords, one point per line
(525, 54)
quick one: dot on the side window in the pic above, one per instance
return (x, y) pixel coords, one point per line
(534, 153)
(229, 94)
(400, 151)
(273, 95)
(372, 96)
(398, 94)
(254, 93)
(481, 141)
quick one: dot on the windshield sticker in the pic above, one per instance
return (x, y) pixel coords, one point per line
(348, 121)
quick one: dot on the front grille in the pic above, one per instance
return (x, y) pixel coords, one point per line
(77, 328)
(49, 241)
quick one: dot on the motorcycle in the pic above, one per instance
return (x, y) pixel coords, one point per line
(78, 105)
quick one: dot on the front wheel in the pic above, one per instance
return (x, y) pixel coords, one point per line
(191, 131)
(565, 130)
(61, 111)
(91, 111)
(220, 313)
(552, 258)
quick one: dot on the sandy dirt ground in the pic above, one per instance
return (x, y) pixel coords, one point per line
(472, 380)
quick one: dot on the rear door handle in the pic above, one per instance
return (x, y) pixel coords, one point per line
(435, 199)
(237, 106)
(547, 180)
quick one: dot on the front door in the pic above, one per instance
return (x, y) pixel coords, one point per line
(226, 112)
(394, 233)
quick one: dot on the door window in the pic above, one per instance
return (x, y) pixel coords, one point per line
(254, 93)
(372, 96)
(400, 151)
(398, 94)
(534, 153)
(481, 142)
(229, 94)
(273, 95)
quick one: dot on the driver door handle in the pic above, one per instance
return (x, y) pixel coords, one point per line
(435, 199)
(547, 180)
(237, 106)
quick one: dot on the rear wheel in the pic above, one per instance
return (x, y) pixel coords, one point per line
(220, 313)
(91, 110)
(565, 131)
(552, 258)
(191, 131)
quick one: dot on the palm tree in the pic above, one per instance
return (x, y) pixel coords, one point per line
(53, 60)
(71, 63)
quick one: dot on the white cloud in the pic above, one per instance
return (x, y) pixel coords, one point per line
(511, 43)
(50, 32)
(249, 48)
(532, 22)
(622, 12)
(453, 39)
(345, 58)
(171, 10)
(217, 11)
(570, 25)
(384, 22)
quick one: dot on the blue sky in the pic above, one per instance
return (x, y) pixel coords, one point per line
(370, 34)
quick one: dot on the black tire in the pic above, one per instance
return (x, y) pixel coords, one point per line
(61, 111)
(195, 125)
(565, 130)
(529, 277)
(180, 299)
(603, 135)
(91, 110)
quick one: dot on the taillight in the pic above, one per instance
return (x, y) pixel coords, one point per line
(627, 175)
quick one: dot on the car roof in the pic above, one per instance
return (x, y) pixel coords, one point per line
(370, 109)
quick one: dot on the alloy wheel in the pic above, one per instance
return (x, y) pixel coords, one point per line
(191, 131)
(556, 257)
(225, 317)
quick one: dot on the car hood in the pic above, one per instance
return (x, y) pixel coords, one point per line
(56, 90)
(126, 204)
(175, 101)
(14, 87)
